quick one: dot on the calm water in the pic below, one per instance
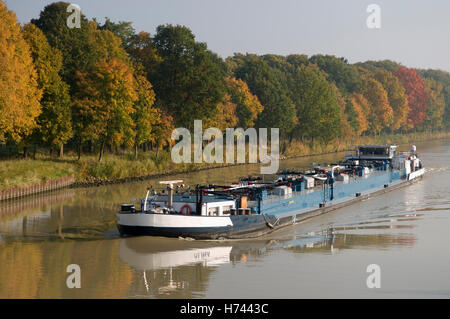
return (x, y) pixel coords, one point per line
(405, 232)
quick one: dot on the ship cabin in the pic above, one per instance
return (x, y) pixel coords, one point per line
(187, 204)
(373, 152)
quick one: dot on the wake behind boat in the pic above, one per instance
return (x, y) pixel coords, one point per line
(252, 208)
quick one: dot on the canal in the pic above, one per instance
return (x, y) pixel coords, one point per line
(404, 232)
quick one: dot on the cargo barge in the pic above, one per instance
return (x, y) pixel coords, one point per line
(253, 208)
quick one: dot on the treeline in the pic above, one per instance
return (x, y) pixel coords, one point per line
(106, 86)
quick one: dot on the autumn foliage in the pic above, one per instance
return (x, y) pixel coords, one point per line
(417, 96)
(106, 86)
(19, 92)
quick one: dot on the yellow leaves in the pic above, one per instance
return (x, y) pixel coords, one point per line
(381, 113)
(19, 93)
(247, 106)
(104, 103)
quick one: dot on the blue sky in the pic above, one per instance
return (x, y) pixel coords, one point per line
(413, 32)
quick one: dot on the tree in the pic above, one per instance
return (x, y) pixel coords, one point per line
(317, 107)
(387, 65)
(267, 84)
(82, 47)
(443, 78)
(104, 104)
(77, 51)
(145, 116)
(417, 97)
(396, 96)
(19, 92)
(361, 108)
(141, 50)
(189, 82)
(247, 107)
(348, 115)
(122, 29)
(297, 60)
(54, 123)
(345, 76)
(163, 131)
(436, 105)
(380, 113)
(225, 116)
(82, 50)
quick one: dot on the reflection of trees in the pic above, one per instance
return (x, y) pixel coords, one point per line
(38, 270)
(20, 270)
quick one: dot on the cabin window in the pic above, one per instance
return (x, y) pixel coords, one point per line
(213, 211)
(374, 151)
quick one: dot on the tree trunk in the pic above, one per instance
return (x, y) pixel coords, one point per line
(61, 150)
(79, 150)
(25, 152)
(135, 150)
(100, 156)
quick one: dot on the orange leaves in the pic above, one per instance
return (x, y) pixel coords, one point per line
(361, 108)
(417, 97)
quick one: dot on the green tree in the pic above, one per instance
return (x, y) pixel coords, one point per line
(82, 47)
(54, 123)
(123, 30)
(189, 82)
(345, 76)
(265, 82)
(141, 50)
(436, 104)
(318, 111)
(387, 65)
(77, 51)
(443, 78)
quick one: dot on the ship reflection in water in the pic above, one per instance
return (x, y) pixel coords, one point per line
(182, 269)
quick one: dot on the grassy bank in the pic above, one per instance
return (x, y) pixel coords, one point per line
(297, 148)
(23, 173)
(27, 172)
